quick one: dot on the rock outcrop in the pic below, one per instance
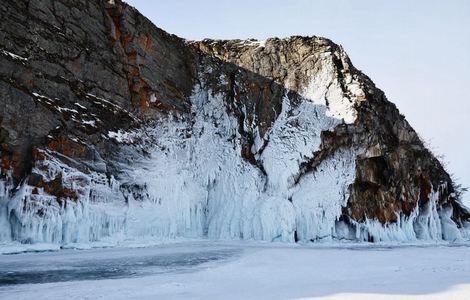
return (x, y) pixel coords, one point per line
(111, 128)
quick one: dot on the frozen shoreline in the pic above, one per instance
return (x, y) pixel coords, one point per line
(13, 248)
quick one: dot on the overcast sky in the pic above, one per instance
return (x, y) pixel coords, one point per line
(417, 51)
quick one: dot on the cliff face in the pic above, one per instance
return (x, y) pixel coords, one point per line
(111, 128)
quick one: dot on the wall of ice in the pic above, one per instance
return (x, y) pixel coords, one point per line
(202, 186)
(195, 183)
(29, 215)
(424, 223)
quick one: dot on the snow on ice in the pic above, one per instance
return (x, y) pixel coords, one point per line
(241, 271)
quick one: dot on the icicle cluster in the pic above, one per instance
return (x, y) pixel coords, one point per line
(197, 184)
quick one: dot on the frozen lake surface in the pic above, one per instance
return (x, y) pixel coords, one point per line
(210, 270)
(70, 265)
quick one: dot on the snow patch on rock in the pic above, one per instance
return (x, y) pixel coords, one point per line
(13, 55)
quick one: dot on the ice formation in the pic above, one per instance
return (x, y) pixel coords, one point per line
(195, 183)
(35, 216)
(203, 186)
(113, 129)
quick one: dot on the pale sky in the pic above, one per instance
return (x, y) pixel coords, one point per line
(417, 51)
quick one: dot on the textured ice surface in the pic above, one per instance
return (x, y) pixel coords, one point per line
(38, 217)
(194, 183)
(201, 185)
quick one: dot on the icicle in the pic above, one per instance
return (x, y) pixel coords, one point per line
(195, 183)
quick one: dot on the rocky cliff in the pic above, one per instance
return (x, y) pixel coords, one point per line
(112, 129)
